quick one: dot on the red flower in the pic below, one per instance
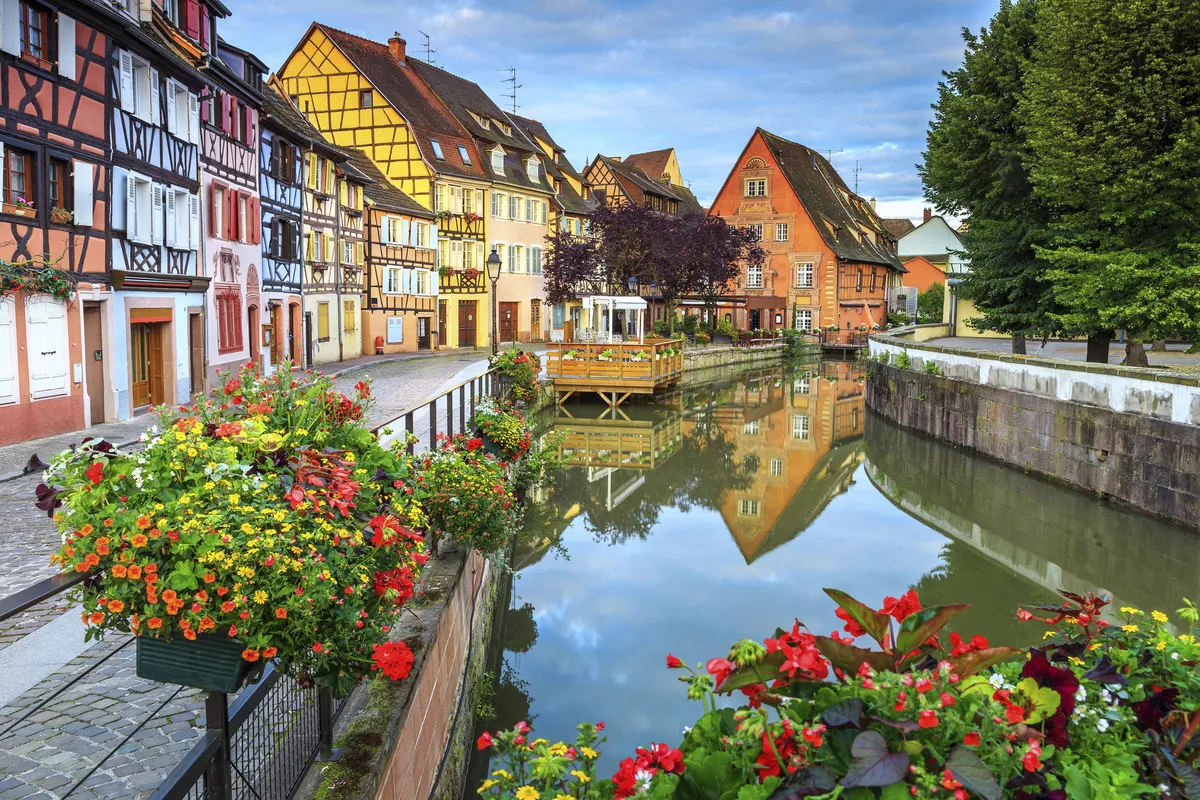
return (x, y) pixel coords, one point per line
(961, 648)
(851, 627)
(948, 781)
(484, 741)
(769, 765)
(1032, 759)
(814, 735)
(625, 780)
(95, 472)
(719, 668)
(233, 386)
(523, 727)
(899, 608)
(947, 699)
(394, 659)
(928, 719)
(924, 685)
(673, 662)
(318, 648)
(660, 756)
(1014, 713)
(971, 739)
(901, 701)
(227, 429)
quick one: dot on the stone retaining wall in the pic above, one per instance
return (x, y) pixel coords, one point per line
(703, 357)
(1057, 421)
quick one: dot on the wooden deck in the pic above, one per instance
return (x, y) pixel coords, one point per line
(614, 371)
(619, 443)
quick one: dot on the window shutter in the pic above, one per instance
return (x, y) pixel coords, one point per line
(191, 19)
(8, 350)
(255, 221)
(479, 201)
(10, 30)
(205, 106)
(248, 117)
(132, 231)
(385, 230)
(156, 214)
(193, 118)
(194, 222)
(311, 163)
(82, 173)
(343, 194)
(127, 90)
(171, 220)
(154, 90)
(226, 112)
(204, 27)
(433, 236)
(309, 248)
(439, 198)
(171, 125)
(66, 46)
(229, 213)
(358, 253)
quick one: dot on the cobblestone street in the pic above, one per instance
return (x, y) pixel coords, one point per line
(92, 723)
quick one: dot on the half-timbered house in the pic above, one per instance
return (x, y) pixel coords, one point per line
(286, 136)
(351, 256)
(159, 319)
(400, 297)
(322, 334)
(366, 95)
(53, 216)
(829, 255)
(617, 184)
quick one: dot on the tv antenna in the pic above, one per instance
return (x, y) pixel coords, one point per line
(857, 170)
(429, 51)
(829, 154)
(512, 89)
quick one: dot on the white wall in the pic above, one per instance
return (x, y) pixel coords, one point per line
(932, 238)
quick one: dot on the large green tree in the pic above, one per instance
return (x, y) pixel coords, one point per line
(1112, 114)
(975, 164)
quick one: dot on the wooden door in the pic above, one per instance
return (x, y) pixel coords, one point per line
(93, 360)
(308, 339)
(466, 322)
(508, 321)
(422, 333)
(139, 337)
(157, 363)
(255, 324)
(441, 323)
(196, 353)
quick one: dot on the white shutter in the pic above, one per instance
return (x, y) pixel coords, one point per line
(408, 232)
(153, 96)
(432, 278)
(132, 231)
(171, 222)
(385, 230)
(49, 354)
(171, 124)
(10, 27)
(156, 214)
(9, 390)
(128, 101)
(456, 255)
(433, 235)
(83, 172)
(479, 208)
(193, 118)
(194, 211)
(66, 46)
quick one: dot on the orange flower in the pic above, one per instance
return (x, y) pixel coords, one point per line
(185, 623)
(96, 618)
(209, 577)
(151, 597)
(174, 608)
(116, 606)
(102, 545)
(119, 571)
(139, 540)
(92, 560)
(143, 522)
(151, 578)
(250, 654)
(81, 566)
(70, 551)
(202, 596)
(108, 523)
(151, 568)
(134, 622)
(207, 624)
(169, 596)
(86, 530)
(228, 606)
(154, 623)
(154, 533)
(270, 652)
(281, 613)
(189, 634)
(134, 571)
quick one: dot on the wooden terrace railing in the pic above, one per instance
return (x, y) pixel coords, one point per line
(627, 366)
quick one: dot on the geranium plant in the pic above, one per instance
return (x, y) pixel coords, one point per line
(265, 514)
(519, 370)
(467, 495)
(501, 425)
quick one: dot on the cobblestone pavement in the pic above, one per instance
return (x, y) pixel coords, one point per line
(93, 724)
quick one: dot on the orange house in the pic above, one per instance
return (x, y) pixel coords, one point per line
(830, 258)
(923, 273)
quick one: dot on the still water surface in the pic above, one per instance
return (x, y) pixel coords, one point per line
(722, 512)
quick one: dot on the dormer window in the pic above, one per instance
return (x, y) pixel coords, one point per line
(464, 155)
(485, 123)
(556, 157)
(437, 149)
(531, 169)
(498, 161)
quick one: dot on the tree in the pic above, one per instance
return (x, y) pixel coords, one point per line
(975, 163)
(716, 257)
(1112, 114)
(929, 304)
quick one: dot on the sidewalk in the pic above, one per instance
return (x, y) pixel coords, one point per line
(14, 457)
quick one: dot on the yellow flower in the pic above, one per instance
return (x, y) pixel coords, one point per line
(260, 597)
(489, 783)
(589, 752)
(1186, 639)
(500, 773)
(563, 797)
(1047, 634)
(1158, 616)
(1160, 646)
(1131, 610)
(1129, 628)
(558, 749)
(527, 793)
(581, 775)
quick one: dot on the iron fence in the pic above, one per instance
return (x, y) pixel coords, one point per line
(260, 743)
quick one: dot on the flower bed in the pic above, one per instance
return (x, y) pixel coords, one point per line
(504, 427)
(1097, 711)
(266, 514)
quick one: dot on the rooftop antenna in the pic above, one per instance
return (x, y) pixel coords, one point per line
(512, 90)
(429, 51)
(829, 154)
(857, 169)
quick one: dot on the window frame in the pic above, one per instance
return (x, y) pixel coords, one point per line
(499, 170)
(397, 285)
(366, 98)
(464, 155)
(755, 187)
(437, 149)
(64, 183)
(803, 431)
(29, 174)
(805, 270)
(46, 57)
(754, 276)
(781, 232)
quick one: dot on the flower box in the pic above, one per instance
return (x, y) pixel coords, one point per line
(212, 663)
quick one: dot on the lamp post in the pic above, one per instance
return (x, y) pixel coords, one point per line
(493, 272)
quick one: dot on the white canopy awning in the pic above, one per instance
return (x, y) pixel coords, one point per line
(618, 303)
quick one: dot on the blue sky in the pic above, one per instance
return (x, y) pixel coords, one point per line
(622, 77)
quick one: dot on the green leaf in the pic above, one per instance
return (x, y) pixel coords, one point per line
(896, 791)
(710, 776)
(849, 658)
(920, 625)
(1078, 786)
(969, 770)
(970, 663)
(874, 764)
(749, 675)
(875, 623)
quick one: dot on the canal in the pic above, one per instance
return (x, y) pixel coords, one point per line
(721, 513)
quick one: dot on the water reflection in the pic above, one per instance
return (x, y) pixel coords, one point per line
(685, 526)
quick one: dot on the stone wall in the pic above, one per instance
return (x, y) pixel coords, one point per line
(1147, 461)
(703, 357)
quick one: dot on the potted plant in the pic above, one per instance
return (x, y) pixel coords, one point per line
(703, 337)
(62, 216)
(23, 207)
(470, 273)
(466, 494)
(639, 355)
(502, 429)
(214, 542)
(607, 355)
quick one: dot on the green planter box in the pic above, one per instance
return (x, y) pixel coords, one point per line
(213, 663)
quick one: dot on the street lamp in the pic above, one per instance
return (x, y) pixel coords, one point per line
(493, 272)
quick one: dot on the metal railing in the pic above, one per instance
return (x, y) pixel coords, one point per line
(262, 743)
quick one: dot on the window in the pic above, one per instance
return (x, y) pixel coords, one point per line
(514, 207)
(758, 230)
(366, 99)
(420, 234)
(750, 428)
(348, 252)
(498, 161)
(859, 283)
(462, 153)
(802, 320)
(542, 211)
(283, 161)
(242, 211)
(499, 247)
(217, 210)
(283, 239)
(349, 317)
(804, 276)
(139, 87)
(182, 107)
(229, 319)
(530, 216)
(800, 426)
(499, 205)
(322, 322)
(35, 32)
(393, 231)
(18, 175)
(422, 281)
(531, 169)
(802, 384)
(183, 219)
(59, 184)
(874, 278)
(776, 467)
(143, 205)
(781, 231)
(754, 276)
(437, 149)
(756, 187)
(391, 281)
(748, 508)
(517, 263)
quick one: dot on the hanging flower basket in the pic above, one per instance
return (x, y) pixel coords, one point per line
(212, 663)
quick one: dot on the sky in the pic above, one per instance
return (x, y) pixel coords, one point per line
(619, 77)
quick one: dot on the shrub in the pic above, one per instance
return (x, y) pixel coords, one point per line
(520, 371)
(503, 426)
(902, 360)
(931, 368)
(929, 304)
(467, 494)
(688, 324)
(726, 327)
(703, 337)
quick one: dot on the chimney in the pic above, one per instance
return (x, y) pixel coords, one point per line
(928, 214)
(396, 45)
(872, 203)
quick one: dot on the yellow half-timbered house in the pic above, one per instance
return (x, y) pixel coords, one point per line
(367, 95)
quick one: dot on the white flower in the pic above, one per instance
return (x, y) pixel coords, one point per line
(1081, 695)
(1102, 725)
(1175, 656)
(643, 777)
(686, 729)
(996, 680)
